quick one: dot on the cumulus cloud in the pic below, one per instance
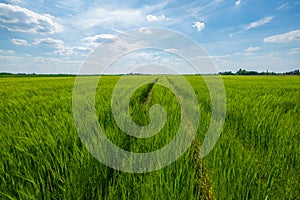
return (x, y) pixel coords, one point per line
(156, 18)
(252, 49)
(95, 40)
(20, 42)
(51, 42)
(258, 23)
(99, 38)
(19, 19)
(199, 25)
(292, 36)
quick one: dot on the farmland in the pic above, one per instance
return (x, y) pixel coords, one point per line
(256, 157)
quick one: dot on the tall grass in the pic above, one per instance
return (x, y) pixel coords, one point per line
(43, 157)
(257, 156)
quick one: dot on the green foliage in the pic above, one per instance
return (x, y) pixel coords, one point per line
(257, 156)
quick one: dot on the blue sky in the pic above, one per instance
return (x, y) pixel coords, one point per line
(46, 36)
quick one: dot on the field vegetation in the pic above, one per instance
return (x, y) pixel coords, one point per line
(256, 157)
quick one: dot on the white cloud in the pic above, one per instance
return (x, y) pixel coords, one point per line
(156, 7)
(71, 5)
(55, 61)
(199, 25)
(204, 9)
(238, 2)
(213, 57)
(105, 17)
(116, 17)
(98, 38)
(292, 36)
(93, 41)
(6, 61)
(61, 49)
(6, 51)
(294, 51)
(55, 43)
(39, 64)
(19, 19)
(271, 56)
(154, 59)
(20, 42)
(156, 18)
(54, 65)
(145, 30)
(219, 57)
(252, 49)
(285, 5)
(70, 51)
(49, 42)
(271, 61)
(172, 50)
(258, 23)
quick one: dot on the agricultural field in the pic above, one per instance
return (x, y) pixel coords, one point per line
(256, 157)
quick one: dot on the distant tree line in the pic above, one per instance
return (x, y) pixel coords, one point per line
(245, 73)
(7, 74)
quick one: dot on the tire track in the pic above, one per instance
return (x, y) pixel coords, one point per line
(148, 93)
(202, 185)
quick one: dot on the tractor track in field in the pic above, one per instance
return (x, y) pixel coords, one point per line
(148, 93)
(203, 185)
(202, 182)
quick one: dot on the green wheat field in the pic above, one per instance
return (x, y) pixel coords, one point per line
(256, 157)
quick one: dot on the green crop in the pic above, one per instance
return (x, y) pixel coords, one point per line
(256, 157)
